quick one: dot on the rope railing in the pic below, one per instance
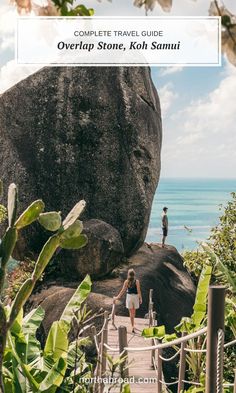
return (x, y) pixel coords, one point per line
(157, 347)
(168, 383)
(104, 324)
(230, 343)
(195, 350)
(192, 383)
(175, 342)
(171, 358)
(112, 349)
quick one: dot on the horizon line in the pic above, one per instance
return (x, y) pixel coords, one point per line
(197, 177)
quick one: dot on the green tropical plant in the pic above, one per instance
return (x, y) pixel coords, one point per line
(220, 249)
(220, 253)
(114, 365)
(229, 276)
(197, 319)
(3, 213)
(195, 361)
(69, 8)
(3, 210)
(67, 234)
(59, 365)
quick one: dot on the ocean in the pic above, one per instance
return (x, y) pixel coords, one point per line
(192, 203)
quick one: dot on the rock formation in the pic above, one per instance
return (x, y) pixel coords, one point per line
(157, 268)
(71, 133)
(104, 252)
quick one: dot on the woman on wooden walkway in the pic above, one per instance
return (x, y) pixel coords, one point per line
(133, 295)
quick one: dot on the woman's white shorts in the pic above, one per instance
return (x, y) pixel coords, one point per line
(132, 301)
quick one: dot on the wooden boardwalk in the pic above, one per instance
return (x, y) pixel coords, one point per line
(139, 362)
(142, 377)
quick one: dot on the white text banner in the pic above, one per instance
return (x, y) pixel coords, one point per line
(130, 41)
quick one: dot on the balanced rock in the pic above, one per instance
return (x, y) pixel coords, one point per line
(99, 257)
(71, 133)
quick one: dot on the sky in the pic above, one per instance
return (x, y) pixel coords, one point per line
(197, 103)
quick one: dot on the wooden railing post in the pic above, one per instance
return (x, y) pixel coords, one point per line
(216, 305)
(122, 333)
(96, 370)
(113, 313)
(153, 352)
(235, 381)
(182, 365)
(154, 315)
(105, 341)
(159, 371)
(150, 307)
(103, 351)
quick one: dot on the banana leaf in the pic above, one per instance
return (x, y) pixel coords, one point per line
(30, 324)
(76, 301)
(200, 305)
(230, 277)
(54, 377)
(57, 342)
(158, 332)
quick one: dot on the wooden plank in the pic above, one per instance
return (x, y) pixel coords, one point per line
(139, 362)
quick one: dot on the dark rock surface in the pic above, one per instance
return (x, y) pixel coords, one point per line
(71, 133)
(48, 300)
(157, 268)
(99, 257)
(163, 271)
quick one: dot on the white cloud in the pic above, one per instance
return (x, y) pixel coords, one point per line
(167, 96)
(214, 114)
(11, 73)
(189, 139)
(170, 70)
(201, 138)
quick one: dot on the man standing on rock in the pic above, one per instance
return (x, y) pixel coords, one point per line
(164, 220)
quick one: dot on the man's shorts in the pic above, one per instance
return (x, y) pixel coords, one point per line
(165, 231)
(132, 301)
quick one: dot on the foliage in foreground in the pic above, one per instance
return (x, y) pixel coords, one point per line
(66, 234)
(216, 8)
(197, 361)
(220, 253)
(60, 365)
(222, 242)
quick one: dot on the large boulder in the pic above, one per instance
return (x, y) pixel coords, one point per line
(71, 133)
(99, 257)
(159, 269)
(48, 300)
(162, 270)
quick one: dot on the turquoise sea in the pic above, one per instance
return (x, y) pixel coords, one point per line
(193, 203)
